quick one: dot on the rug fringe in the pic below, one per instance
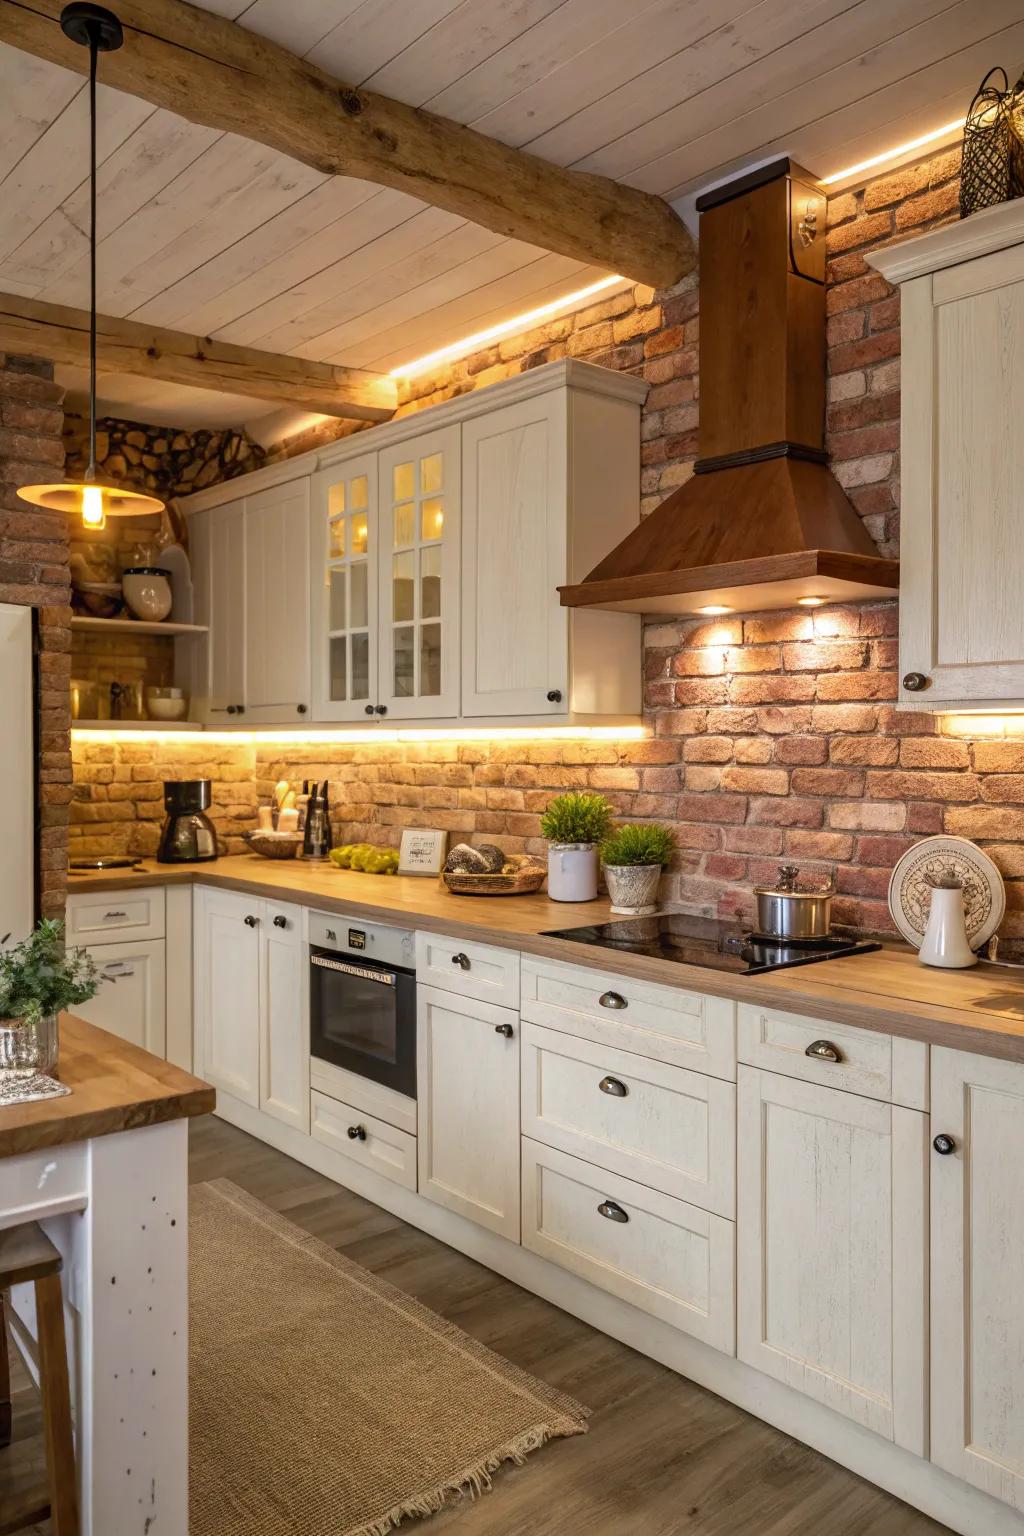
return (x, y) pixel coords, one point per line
(475, 1480)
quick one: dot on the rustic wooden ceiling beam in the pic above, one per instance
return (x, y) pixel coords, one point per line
(124, 346)
(214, 72)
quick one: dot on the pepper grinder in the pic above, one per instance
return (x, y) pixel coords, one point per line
(945, 941)
(316, 842)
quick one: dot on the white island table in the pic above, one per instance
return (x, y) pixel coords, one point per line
(105, 1170)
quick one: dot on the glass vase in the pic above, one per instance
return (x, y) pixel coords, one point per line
(28, 1048)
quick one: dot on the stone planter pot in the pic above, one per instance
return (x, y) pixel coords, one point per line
(572, 871)
(633, 888)
(26, 1049)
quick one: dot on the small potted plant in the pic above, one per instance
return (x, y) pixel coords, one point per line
(634, 856)
(574, 825)
(39, 978)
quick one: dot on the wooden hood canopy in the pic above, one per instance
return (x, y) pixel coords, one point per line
(763, 522)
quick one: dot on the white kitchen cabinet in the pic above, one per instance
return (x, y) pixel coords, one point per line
(131, 997)
(420, 503)
(277, 651)
(284, 1015)
(251, 1002)
(549, 487)
(977, 1260)
(468, 1092)
(217, 550)
(962, 460)
(832, 1249)
(343, 595)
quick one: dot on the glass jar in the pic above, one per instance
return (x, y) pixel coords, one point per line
(28, 1048)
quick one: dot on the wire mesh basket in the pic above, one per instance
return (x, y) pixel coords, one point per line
(992, 167)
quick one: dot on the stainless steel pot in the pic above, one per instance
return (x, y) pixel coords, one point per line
(783, 912)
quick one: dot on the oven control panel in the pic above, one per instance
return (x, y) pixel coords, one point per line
(375, 941)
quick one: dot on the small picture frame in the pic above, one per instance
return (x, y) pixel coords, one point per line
(422, 851)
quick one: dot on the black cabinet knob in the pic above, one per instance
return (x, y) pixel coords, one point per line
(300, 709)
(944, 1144)
(280, 921)
(232, 709)
(250, 921)
(239, 709)
(504, 1029)
(381, 709)
(357, 1133)
(369, 709)
(916, 682)
(554, 695)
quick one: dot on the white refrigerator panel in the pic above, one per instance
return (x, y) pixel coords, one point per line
(17, 773)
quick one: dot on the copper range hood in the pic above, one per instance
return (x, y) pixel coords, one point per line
(763, 522)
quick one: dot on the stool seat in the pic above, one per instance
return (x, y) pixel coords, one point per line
(27, 1256)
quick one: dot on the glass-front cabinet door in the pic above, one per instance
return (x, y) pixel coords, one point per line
(344, 560)
(420, 490)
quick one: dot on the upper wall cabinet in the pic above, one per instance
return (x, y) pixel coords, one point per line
(961, 554)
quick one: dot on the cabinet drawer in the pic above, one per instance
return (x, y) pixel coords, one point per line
(470, 969)
(666, 1257)
(135, 914)
(877, 1065)
(372, 1098)
(385, 1151)
(660, 1125)
(685, 1029)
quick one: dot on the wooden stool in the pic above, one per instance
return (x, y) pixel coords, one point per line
(26, 1254)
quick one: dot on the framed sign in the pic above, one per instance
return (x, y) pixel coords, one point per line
(422, 851)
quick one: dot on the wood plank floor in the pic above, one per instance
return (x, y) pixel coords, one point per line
(663, 1457)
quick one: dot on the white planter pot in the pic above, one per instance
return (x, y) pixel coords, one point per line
(572, 871)
(633, 888)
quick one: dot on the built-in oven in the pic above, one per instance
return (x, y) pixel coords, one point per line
(362, 999)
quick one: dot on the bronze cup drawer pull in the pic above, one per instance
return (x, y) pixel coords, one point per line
(612, 1212)
(462, 961)
(612, 1000)
(823, 1050)
(614, 1087)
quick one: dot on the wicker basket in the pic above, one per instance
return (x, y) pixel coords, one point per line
(274, 845)
(520, 884)
(992, 161)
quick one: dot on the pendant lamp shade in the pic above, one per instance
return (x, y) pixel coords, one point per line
(100, 31)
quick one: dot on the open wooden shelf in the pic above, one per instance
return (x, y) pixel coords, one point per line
(134, 626)
(135, 725)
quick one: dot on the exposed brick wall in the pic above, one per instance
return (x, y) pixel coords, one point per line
(34, 572)
(773, 735)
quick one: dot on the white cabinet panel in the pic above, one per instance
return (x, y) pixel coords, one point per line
(277, 651)
(418, 541)
(514, 555)
(977, 1237)
(468, 1087)
(131, 997)
(665, 1127)
(344, 577)
(686, 1029)
(103, 917)
(473, 970)
(878, 1065)
(217, 546)
(831, 1244)
(666, 1257)
(228, 993)
(284, 1015)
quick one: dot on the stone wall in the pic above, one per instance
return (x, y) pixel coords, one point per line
(34, 572)
(772, 735)
(167, 461)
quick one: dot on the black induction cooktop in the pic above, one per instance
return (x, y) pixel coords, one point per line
(688, 939)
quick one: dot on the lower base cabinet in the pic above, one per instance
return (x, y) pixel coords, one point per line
(468, 1088)
(131, 1001)
(977, 1261)
(665, 1256)
(367, 1141)
(832, 1249)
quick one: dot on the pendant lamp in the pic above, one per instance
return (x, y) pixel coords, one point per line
(99, 31)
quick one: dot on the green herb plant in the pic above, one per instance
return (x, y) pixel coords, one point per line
(638, 843)
(40, 977)
(576, 817)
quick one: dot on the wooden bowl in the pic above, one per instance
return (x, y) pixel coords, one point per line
(274, 845)
(520, 884)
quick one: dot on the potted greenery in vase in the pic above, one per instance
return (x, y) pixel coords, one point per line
(574, 825)
(39, 978)
(634, 856)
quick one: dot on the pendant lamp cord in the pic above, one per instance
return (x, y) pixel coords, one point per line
(93, 58)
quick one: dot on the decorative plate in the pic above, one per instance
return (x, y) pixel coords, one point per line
(910, 892)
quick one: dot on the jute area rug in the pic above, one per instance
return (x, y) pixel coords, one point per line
(326, 1403)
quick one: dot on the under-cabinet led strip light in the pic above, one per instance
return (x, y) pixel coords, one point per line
(362, 737)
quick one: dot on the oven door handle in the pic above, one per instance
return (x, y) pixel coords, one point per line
(384, 978)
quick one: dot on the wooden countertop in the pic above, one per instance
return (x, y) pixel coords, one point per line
(977, 1010)
(115, 1087)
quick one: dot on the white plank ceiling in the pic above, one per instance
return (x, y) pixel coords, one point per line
(211, 234)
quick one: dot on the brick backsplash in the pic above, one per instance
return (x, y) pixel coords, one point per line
(772, 735)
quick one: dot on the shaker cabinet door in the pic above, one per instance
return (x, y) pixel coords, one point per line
(217, 541)
(277, 605)
(227, 992)
(284, 1017)
(344, 577)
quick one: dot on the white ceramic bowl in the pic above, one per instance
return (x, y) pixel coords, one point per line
(147, 592)
(160, 707)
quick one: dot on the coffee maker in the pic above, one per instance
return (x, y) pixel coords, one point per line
(188, 836)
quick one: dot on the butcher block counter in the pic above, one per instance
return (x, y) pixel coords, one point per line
(977, 1010)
